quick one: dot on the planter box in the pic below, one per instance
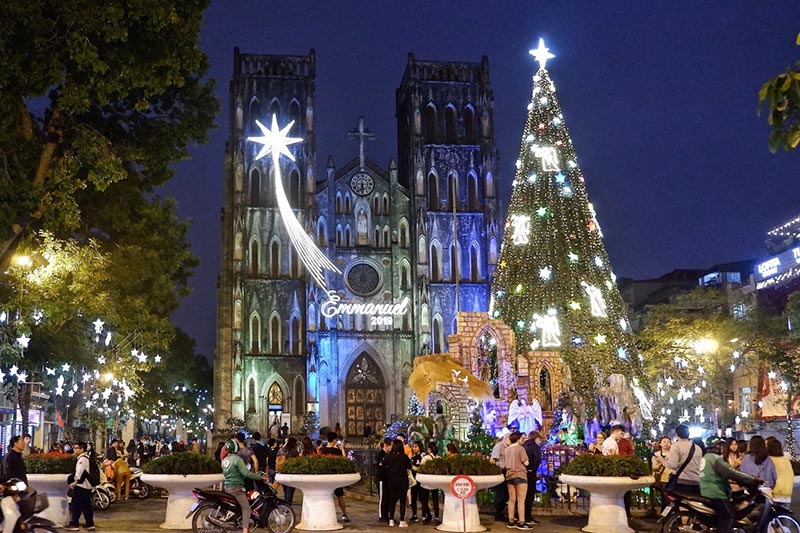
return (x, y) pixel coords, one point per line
(55, 486)
(319, 509)
(606, 505)
(452, 514)
(180, 495)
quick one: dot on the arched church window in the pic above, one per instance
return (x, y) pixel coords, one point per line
(387, 241)
(422, 250)
(403, 233)
(472, 192)
(347, 241)
(255, 188)
(425, 319)
(493, 251)
(275, 397)
(451, 136)
(376, 205)
(338, 235)
(299, 397)
(546, 386)
(297, 336)
(275, 335)
(362, 233)
(404, 279)
(487, 362)
(269, 189)
(430, 124)
(255, 333)
(338, 203)
(347, 205)
(454, 262)
(386, 204)
(254, 259)
(255, 114)
(274, 109)
(469, 126)
(321, 240)
(294, 263)
(295, 189)
(436, 264)
(438, 335)
(251, 395)
(275, 259)
(407, 320)
(452, 191)
(377, 236)
(474, 267)
(294, 114)
(433, 192)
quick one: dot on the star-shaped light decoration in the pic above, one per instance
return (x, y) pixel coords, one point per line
(98, 326)
(50, 371)
(542, 211)
(71, 393)
(13, 371)
(670, 382)
(108, 339)
(276, 141)
(157, 358)
(59, 391)
(545, 272)
(134, 352)
(22, 377)
(574, 305)
(573, 257)
(600, 339)
(65, 367)
(622, 353)
(142, 357)
(541, 54)
(101, 360)
(2, 376)
(560, 177)
(23, 340)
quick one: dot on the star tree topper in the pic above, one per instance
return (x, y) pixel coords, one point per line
(541, 54)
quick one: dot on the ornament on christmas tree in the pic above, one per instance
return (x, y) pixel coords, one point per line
(522, 228)
(551, 330)
(548, 156)
(596, 301)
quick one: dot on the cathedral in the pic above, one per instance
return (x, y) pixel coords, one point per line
(415, 242)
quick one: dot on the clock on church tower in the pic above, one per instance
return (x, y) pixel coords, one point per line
(362, 183)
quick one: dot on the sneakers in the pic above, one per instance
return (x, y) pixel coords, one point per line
(524, 526)
(413, 519)
(403, 523)
(391, 523)
(344, 518)
(71, 528)
(427, 519)
(533, 522)
(511, 525)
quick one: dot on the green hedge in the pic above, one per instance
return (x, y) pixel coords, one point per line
(610, 465)
(50, 463)
(319, 464)
(459, 464)
(184, 463)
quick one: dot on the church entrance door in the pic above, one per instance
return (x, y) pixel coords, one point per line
(365, 396)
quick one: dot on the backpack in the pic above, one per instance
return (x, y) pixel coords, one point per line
(93, 476)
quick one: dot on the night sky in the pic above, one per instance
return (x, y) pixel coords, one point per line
(660, 100)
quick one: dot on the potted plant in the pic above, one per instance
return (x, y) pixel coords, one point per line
(607, 479)
(179, 473)
(47, 474)
(317, 476)
(439, 473)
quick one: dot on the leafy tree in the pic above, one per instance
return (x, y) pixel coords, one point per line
(780, 96)
(692, 347)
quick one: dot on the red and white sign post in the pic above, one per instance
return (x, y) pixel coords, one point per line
(462, 487)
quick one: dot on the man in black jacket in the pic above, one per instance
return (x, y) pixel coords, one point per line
(533, 447)
(380, 475)
(13, 464)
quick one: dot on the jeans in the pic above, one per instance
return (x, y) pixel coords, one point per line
(81, 503)
(244, 503)
(288, 494)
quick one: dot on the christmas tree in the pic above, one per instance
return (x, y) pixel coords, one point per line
(554, 285)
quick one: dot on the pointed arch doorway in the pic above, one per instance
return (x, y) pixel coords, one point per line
(365, 396)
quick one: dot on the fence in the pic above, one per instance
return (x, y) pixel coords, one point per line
(551, 494)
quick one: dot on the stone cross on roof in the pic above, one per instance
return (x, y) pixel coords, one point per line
(361, 133)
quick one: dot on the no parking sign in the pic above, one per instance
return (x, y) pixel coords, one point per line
(462, 487)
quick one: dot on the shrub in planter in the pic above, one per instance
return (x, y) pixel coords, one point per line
(319, 464)
(459, 464)
(50, 463)
(606, 465)
(184, 463)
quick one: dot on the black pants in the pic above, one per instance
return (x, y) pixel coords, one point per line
(383, 505)
(414, 497)
(530, 496)
(500, 498)
(724, 510)
(397, 494)
(81, 503)
(426, 496)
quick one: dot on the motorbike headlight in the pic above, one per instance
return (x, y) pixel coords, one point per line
(20, 486)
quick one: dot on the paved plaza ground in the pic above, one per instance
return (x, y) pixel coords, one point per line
(144, 516)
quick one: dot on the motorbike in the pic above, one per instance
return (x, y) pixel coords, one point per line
(139, 488)
(29, 502)
(216, 510)
(754, 512)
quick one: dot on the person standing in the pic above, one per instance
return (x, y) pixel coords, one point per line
(501, 490)
(432, 495)
(397, 465)
(757, 463)
(235, 473)
(383, 500)
(288, 451)
(533, 447)
(122, 477)
(417, 453)
(272, 455)
(131, 453)
(784, 476)
(81, 491)
(660, 472)
(336, 448)
(260, 453)
(284, 431)
(516, 460)
(611, 444)
(679, 454)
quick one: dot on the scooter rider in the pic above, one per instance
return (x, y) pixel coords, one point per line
(714, 485)
(235, 473)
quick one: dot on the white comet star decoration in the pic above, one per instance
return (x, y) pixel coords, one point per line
(541, 54)
(275, 140)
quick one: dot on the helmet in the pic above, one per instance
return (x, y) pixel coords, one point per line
(713, 441)
(232, 446)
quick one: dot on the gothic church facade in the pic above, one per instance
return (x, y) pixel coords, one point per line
(417, 239)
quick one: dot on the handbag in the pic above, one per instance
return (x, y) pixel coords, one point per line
(412, 481)
(673, 477)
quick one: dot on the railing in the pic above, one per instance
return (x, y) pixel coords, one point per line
(551, 494)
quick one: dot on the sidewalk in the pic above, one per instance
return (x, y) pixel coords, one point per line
(144, 516)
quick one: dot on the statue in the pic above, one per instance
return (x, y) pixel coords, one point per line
(536, 415)
(525, 418)
(616, 404)
(489, 421)
(513, 414)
